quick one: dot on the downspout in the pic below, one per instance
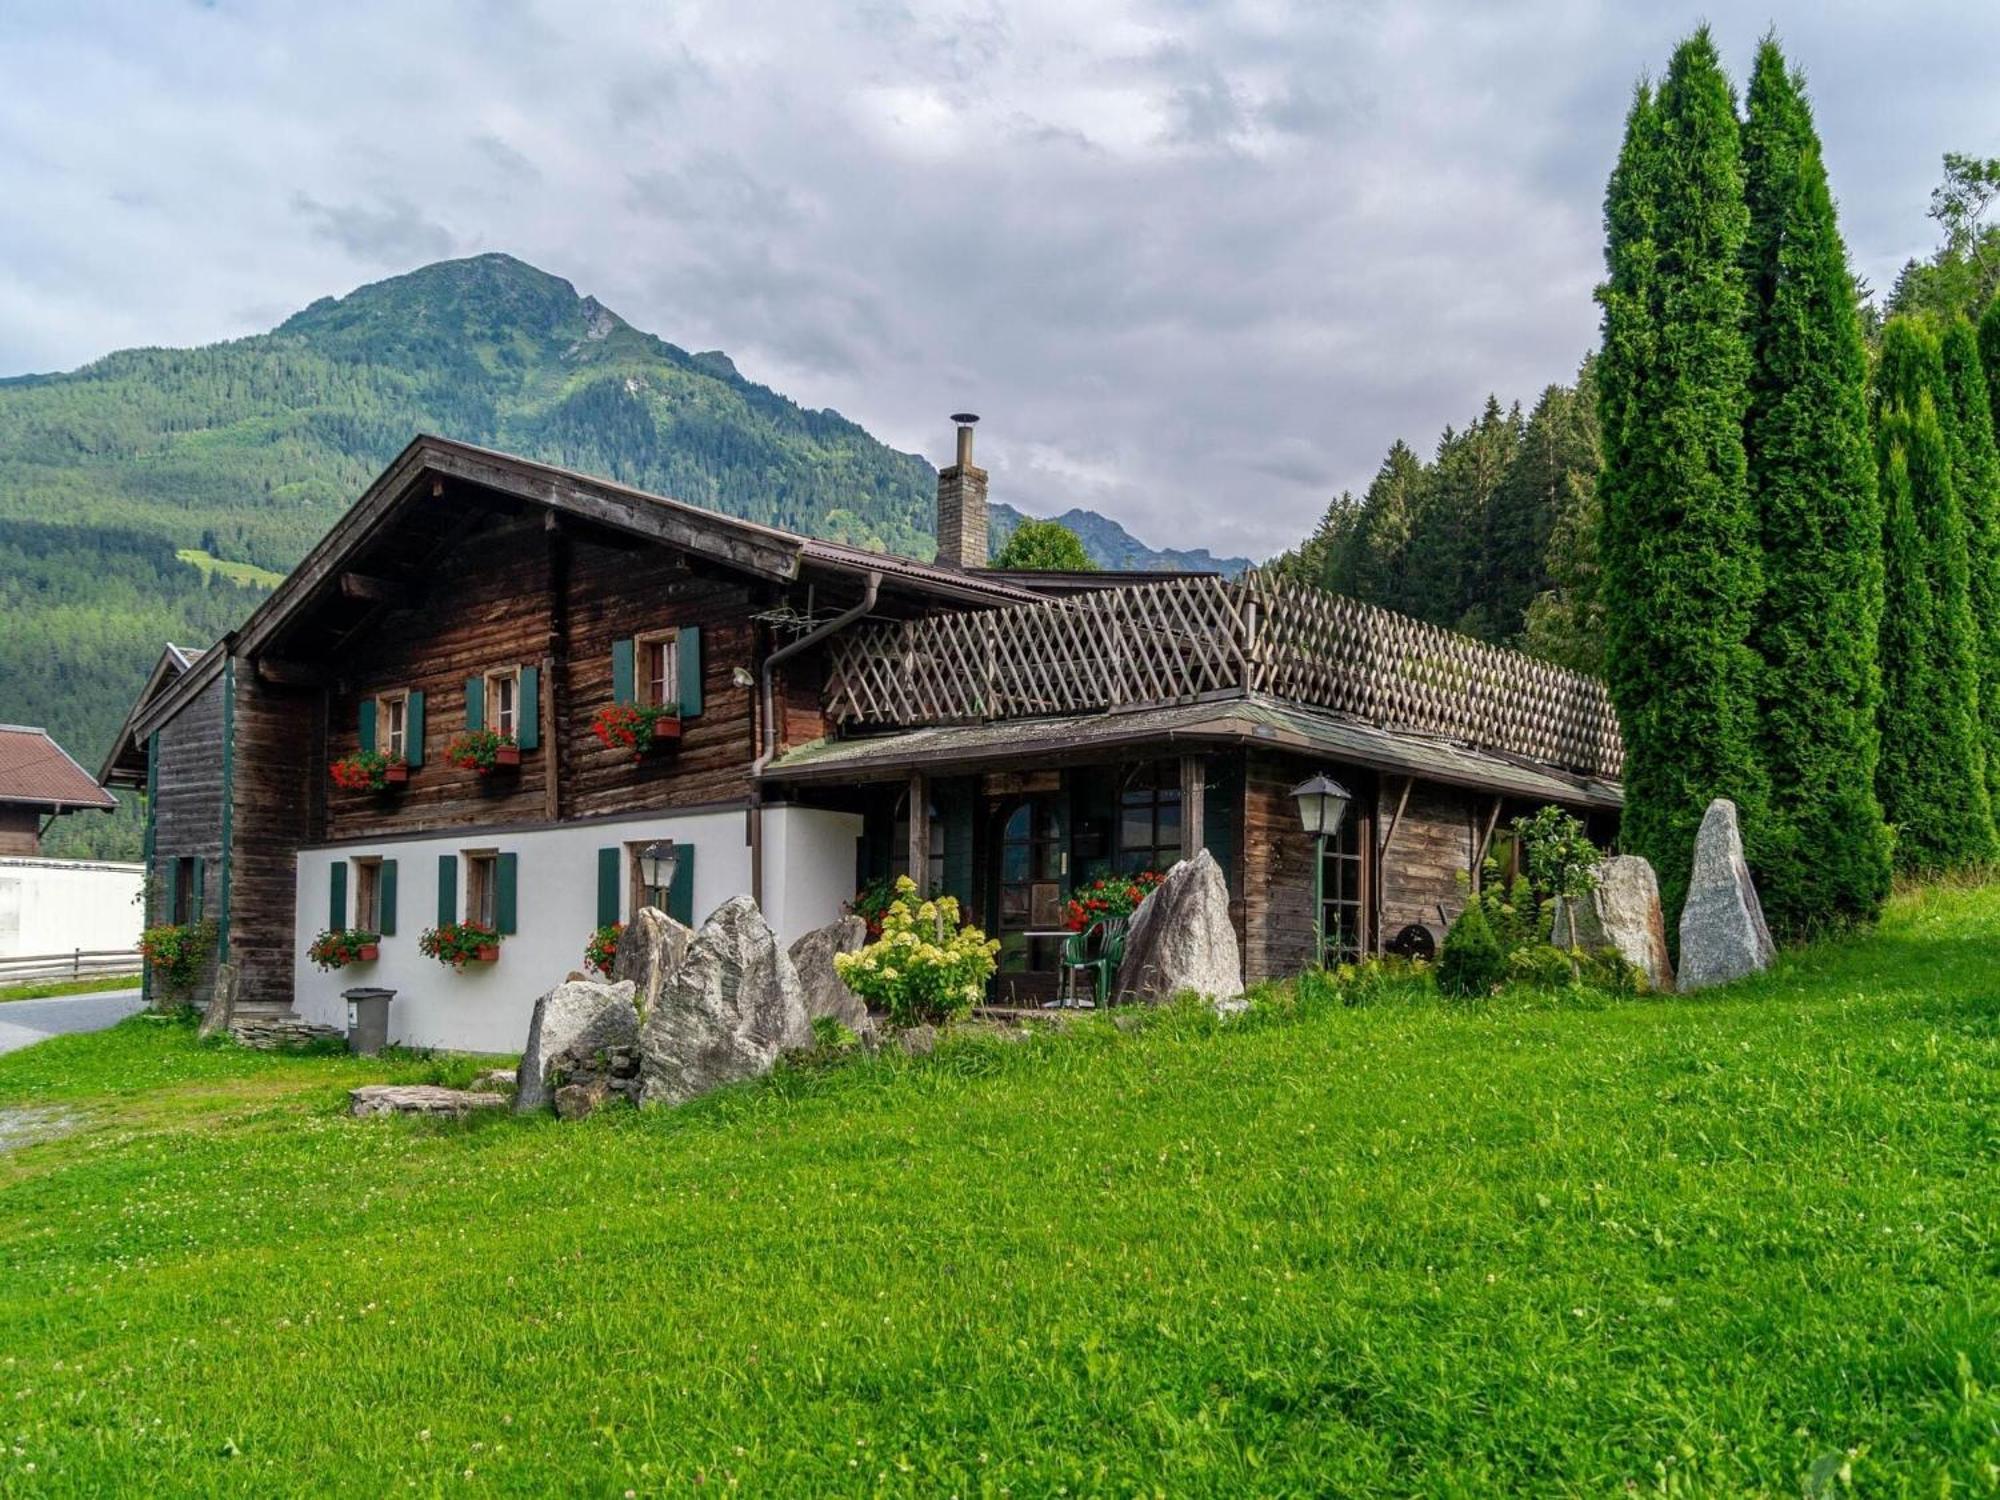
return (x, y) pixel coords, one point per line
(767, 723)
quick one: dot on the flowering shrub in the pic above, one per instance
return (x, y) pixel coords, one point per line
(603, 947)
(872, 901)
(926, 968)
(477, 749)
(1113, 896)
(363, 771)
(337, 948)
(175, 952)
(632, 726)
(457, 943)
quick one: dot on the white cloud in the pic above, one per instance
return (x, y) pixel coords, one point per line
(1196, 264)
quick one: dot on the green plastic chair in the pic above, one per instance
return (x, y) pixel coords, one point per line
(1096, 951)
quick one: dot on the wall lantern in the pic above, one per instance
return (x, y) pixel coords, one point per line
(1322, 805)
(657, 862)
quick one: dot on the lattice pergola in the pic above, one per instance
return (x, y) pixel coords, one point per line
(1192, 638)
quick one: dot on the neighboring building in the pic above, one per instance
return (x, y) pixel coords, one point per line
(1042, 730)
(52, 906)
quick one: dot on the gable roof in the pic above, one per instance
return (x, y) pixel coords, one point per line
(125, 762)
(36, 771)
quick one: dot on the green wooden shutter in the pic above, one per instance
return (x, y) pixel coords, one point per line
(528, 710)
(687, 647)
(197, 899)
(385, 898)
(506, 890)
(955, 811)
(447, 889)
(336, 895)
(475, 703)
(680, 895)
(366, 724)
(413, 730)
(624, 659)
(173, 911)
(609, 862)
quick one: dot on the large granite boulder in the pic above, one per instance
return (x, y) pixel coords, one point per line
(731, 1007)
(649, 950)
(579, 1018)
(1181, 938)
(1723, 936)
(1622, 913)
(826, 994)
(221, 1002)
(419, 1099)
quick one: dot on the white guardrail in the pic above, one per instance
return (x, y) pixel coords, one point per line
(78, 963)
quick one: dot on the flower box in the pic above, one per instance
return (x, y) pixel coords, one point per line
(507, 755)
(636, 728)
(490, 954)
(460, 943)
(397, 774)
(481, 751)
(368, 771)
(367, 953)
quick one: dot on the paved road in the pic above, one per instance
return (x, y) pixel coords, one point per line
(23, 1022)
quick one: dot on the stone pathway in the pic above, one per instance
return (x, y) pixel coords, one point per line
(25, 1022)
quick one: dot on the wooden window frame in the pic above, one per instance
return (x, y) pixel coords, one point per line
(187, 900)
(482, 887)
(1152, 784)
(637, 892)
(392, 723)
(491, 684)
(367, 894)
(668, 694)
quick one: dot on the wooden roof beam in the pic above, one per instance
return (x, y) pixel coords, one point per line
(372, 590)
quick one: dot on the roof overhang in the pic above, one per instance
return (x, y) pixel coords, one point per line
(1222, 722)
(125, 764)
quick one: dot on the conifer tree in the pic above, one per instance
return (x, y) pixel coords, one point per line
(1967, 415)
(1679, 542)
(1930, 776)
(1381, 538)
(1824, 856)
(1989, 357)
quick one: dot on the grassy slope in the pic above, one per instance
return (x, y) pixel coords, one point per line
(1695, 1245)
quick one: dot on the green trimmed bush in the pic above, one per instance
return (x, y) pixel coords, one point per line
(1472, 963)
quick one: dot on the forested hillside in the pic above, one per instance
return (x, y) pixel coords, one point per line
(246, 451)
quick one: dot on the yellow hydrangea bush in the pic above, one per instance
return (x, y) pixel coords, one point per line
(926, 968)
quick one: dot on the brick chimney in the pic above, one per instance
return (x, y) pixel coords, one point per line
(961, 505)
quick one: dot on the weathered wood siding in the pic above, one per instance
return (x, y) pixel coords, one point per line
(1278, 933)
(1430, 854)
(501, 605)
(272, 810)
(20, 830)
(187, 801)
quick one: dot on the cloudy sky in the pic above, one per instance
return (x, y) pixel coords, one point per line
(1196, 264)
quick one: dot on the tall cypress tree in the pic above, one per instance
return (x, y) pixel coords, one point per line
(1975, 476)
(1679, 542)
(1932, 773)
(1825, 854)
(1989, 356)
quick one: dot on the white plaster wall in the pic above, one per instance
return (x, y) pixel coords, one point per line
(486, 1007)
(60, 905)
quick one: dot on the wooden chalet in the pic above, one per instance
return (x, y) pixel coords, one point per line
(841, 714)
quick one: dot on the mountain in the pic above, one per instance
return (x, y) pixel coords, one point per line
(153, 494)
(1112, 546)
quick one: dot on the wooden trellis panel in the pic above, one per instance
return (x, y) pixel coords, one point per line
(1157, 644)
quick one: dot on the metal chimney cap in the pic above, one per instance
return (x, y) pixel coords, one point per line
(965, 418)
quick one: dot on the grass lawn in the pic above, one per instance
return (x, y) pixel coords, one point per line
(48, 988)
(1743, 1243)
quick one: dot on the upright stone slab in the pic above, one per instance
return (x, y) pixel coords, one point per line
(649, 950)
(578, 1017)
(221, 1002)
(1181, 938)
(732, 1006)
(1723, 936)
(1622, 913)
(826, 994)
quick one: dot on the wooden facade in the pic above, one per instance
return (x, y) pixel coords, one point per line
(20, 830)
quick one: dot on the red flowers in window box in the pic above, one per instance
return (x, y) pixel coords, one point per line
(602, 948)
(1112, 896)
(480, 750)
(368, 771)
(635, 727)
(460, 943)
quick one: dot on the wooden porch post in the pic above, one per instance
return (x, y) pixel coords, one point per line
(1194, 788)
(920, 829)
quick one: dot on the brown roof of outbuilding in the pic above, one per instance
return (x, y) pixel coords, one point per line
(35, 769)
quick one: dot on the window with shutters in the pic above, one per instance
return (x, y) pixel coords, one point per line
(367, 894)
(658, 669)
(392, 724)
(482, 887)
(503, 698)
(187, 897)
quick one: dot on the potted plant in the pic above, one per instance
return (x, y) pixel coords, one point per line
(603, 947)
(480, 750)
(368, 771)
(336, 948)
(460, 943)
(1110, 896)
(635, 727)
